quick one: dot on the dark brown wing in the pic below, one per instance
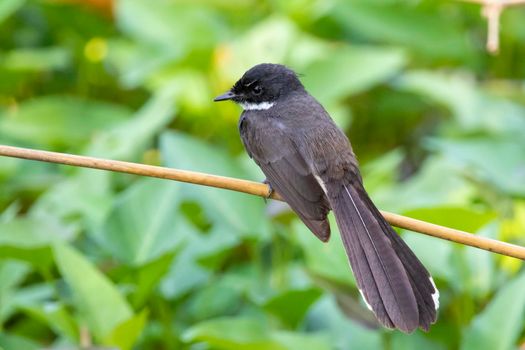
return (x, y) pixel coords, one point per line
(288, 174)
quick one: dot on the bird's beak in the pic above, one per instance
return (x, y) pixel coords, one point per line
(224, 97)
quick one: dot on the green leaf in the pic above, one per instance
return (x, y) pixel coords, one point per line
(472, 108)
(215, 246)
(30, 239)
(147, 278)
(233, 333)
(296, 340)
(202, 253)
(8, 7)
(292, 305)
(21, 179)
(41, 59)
(56, 316)
(169, 25)
(352, 305)
(327, 260)
(242, 213)
(460, 218)
(126, 140)
(98, 300)
(12, 273)
(427, 32)
(258, 45)
(350, 70)
(506, 310)
(144, 223)
(498, 162)
(215, 300)
(414, 341)
(135, 63)
(185, 273)
(88, 193)
(406, 195)
(247, 333)
(435, 254)
(481, 266)
(60, 121)
(344, 333)
(35, 295)
(8, 342)
(126, 334)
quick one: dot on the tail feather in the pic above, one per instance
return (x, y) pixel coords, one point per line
(363, 272)
(393, 282)
(426, 293)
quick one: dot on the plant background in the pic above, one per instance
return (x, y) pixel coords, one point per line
(92, 257)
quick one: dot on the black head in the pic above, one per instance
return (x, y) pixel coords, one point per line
(264, 82)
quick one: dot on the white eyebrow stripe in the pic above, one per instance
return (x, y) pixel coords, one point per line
(256, 106)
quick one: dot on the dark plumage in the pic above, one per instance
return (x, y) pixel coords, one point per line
(310, 162)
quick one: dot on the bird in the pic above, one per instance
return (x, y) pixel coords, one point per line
(310, 162)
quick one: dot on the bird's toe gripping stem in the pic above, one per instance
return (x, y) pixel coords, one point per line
(270, 189)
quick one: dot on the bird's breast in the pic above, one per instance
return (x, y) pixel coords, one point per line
(255, 121)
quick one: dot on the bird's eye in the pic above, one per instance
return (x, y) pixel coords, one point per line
(257, 90)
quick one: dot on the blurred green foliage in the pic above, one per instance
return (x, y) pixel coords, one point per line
(115, 260)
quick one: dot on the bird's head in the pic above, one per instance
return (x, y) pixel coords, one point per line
(262, 85)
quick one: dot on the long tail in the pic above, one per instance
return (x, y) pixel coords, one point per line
(393, 282)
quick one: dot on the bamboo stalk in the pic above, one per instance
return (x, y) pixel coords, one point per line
(253, 188)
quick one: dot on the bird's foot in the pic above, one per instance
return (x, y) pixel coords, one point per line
(270, 190)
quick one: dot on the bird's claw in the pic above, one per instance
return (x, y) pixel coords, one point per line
(270, 190)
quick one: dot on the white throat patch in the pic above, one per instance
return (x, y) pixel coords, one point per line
(256, 106)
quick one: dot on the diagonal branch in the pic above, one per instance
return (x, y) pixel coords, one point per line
(254, 188)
